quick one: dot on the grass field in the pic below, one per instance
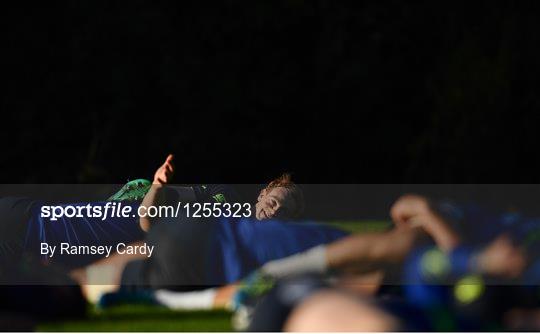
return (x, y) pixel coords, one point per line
(141, 318)
(146, 318)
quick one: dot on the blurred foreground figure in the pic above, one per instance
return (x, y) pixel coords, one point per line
(307, 303)
(480, 273)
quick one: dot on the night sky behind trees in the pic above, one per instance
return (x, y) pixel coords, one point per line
(355, 91)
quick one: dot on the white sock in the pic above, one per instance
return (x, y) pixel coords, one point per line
(195, 300)
(311, 261)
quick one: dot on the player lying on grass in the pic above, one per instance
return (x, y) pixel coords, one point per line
(181, 238)
(195, 254)
(198, 253)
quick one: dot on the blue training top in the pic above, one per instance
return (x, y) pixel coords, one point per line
(239, 247)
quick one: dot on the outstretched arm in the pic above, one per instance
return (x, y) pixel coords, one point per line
(372, 250)
(354, 254)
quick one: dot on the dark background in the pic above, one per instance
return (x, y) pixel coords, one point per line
(352, 92)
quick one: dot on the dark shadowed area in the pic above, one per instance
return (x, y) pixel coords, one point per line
(351, 92)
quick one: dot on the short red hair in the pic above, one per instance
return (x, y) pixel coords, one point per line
(285, 180)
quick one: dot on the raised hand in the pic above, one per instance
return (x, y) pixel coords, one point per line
(165, 172)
